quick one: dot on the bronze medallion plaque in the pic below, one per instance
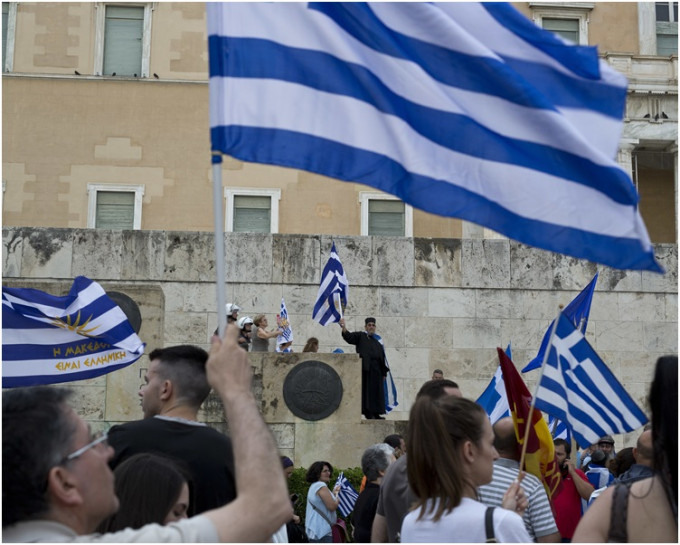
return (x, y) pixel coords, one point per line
(312, 390)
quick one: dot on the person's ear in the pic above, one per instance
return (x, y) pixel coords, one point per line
(166, 391)
(469, 451)
(62, 486)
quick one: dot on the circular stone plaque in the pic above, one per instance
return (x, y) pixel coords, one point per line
(312, 390)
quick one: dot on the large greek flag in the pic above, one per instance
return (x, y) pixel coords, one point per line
(465, 110)
(348, 496)
(48, 339)
(331, 298)
(577, 387)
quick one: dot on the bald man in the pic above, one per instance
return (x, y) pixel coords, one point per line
(538, 518)
(643, 452)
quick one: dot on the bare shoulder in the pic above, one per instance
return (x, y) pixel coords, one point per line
(650, 517)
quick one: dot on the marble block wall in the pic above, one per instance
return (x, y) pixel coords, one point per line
(439, 303)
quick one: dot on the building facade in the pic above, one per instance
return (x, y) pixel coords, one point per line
(105, 125)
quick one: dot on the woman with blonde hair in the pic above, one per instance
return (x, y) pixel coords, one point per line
(451, 453)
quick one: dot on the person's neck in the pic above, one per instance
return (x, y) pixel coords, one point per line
(179, 411)
(75, 519)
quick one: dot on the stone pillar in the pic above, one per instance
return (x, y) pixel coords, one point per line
(625, 156)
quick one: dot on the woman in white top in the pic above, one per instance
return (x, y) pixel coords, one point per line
(321, 503)
(451, 453)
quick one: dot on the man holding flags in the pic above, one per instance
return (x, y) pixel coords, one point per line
(373, 368)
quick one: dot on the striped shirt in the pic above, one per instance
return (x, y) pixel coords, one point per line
(538, 517)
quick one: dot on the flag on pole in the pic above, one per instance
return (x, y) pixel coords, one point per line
(559, 429)
(465, 110)
(389, 387)
(578, 387)
(333, 290)
(539, 459)
(348, 495)
(494, 399)
(286, 334)
(48, 339)
(577, 311)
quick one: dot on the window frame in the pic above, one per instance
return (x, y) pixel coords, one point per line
(11, 36)
(94, 189)
(366, 196)
(564, 10)
(273, 194)
(99, 35)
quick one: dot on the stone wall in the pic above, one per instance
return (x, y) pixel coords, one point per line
(439, 303)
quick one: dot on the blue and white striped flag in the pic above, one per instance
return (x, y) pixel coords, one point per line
(282, 321)
(48, 339)
(494, 399)
(332, 296)
(389, 387)
(465, 110)
(577, 387)
(559, 429)
(348, 496)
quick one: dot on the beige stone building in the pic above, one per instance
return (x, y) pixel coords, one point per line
(105, 124)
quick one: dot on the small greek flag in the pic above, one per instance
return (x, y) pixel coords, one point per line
(332, 296)
(388, 382)
(348, 496)
(48, 339)
(559, 429)
(578, 387)
(282, 321)
(494, 399)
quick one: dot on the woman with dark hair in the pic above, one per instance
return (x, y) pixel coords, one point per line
(451, 453)
(321, 503)
(150, 488)
(646, 510)
(312, 345)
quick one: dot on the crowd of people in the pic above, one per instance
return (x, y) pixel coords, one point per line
(453, 478)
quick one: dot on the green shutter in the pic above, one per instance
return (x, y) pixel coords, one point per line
(666, 38)
(5, 17)
(115, 210)
(123, 40)
(386, 218)
(567, 28)
(252, 214)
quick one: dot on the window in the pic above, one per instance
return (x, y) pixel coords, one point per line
(114, 206)
(568, 20)
(654, 176)
(9, 21)
(122, 39)
(666, 28)
(385, 215)
(252, 210)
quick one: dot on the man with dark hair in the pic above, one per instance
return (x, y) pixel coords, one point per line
(373, 368)
(437, 374)
(57, 484)
(396, 496)
(538, 517)
(574, 487)
(175, 387)
(397, 442)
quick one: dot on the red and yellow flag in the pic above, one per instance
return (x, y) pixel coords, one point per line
(539, 459)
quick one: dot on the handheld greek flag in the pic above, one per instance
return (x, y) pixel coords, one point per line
(577, 311)
(348, 496)
(48, 339)
(559, 429)
(332, 296)
(465, 110)
(578, 387)
(494, 399)
(389, 387)
(282, 321)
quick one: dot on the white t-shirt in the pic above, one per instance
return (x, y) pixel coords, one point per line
(464, 524)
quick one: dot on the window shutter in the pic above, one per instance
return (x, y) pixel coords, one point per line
(115, 210)
(566, 28)
(123, 40)
(5, 17)
(386, 218)
(252, 214)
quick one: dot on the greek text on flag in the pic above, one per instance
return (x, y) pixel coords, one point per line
(465, 110)
(48, 339)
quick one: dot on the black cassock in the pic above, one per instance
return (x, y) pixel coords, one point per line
(373, 371)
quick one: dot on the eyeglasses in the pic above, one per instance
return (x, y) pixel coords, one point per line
(97, 438)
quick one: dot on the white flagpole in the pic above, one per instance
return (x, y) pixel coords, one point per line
(219, 246)
(338, 303)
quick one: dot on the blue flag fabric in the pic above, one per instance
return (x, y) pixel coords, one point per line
(494, 399)
(577, 387)
(332, 296)
(348, 495)
(465, 110)
(559, 429)
(283, 322)
(577, 312)
(389, 387)
(48, 339)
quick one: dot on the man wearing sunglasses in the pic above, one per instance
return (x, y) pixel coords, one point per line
(57, 485)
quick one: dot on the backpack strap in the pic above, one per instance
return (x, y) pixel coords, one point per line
(488, 525)
(618, 522)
